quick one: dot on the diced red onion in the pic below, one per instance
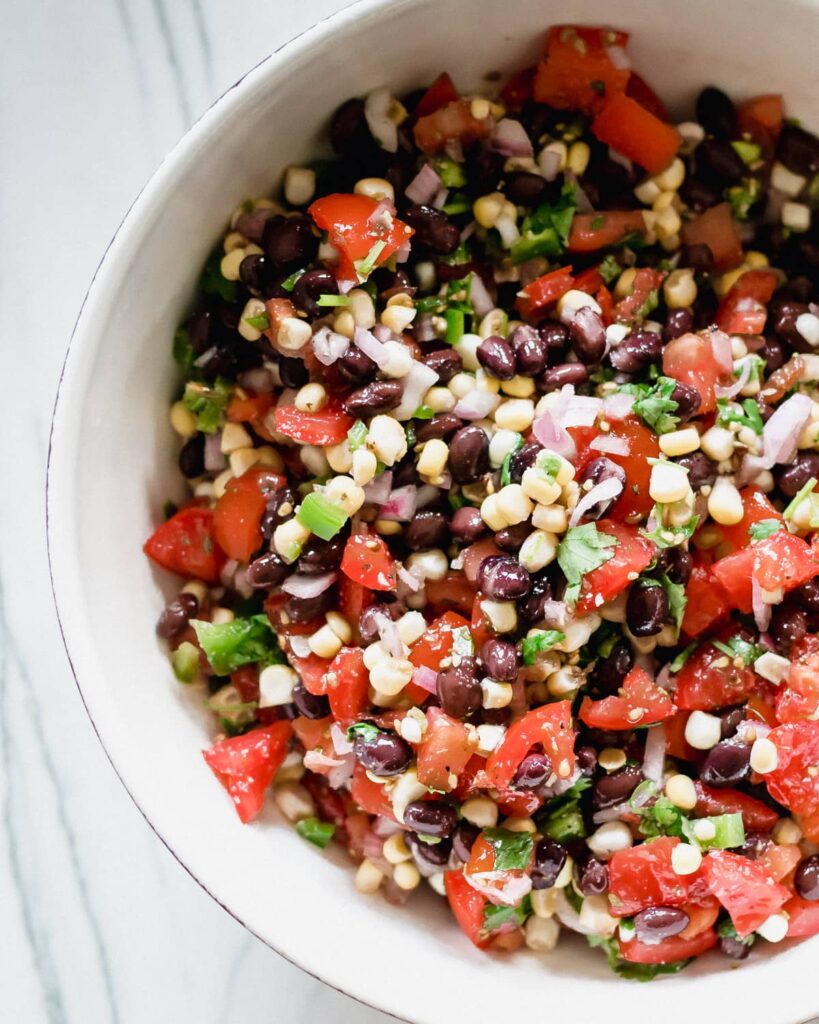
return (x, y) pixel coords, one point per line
(388, 632)
(328, 346)
(206, 355)
(341, 744)
(382, 215)
(339, 776)
(308, 586)
(227, 572)
(426, 678)
(584, 204)
(424, 185)
(618, 406)
(510, 138)
(619, 58)
(614, 813)
(739, 383)
(424, 328)
(781, 433)
(477, 405)
(409, 579)
(383, 333)
(401, 504)
(371, 346)
(610, 445)
(240, 582)
(416, 384)
(499, 887)
(377, 491)
(552, 435)
(654, 756)
(607, 489)
(214, 456)
(753, 729)
(454, 150)
(259, 379)
(568, 916)
(385, 828)
(549, 163)
(468, 231)
(440, 198)
(478, 295)
(315, 761)
(382, 127)
(721, 347)
(345, 286)
(300, 646)
(581, 411)
(665, 679)
(555, 614)
(427, 494)
(251, 224)
(762, 611)
(617, 158)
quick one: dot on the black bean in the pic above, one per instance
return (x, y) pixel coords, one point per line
(356, 367)
(677, 323)
(379, 396)
(192, 456)
(808, 595)
(290, 241)
(726, 764)
(467, 524)
(636, 351)
(310, 286)
(445, 362)
(774, 354)
(530, 608)
(789, 625)
(647, 609)
(310, 705)
(566, 373)
(617, 787)
(609, 672)
(469, 454)
(293, 372)
(688, 401)
(718, 163)
(792, 478)
(523, 459)
(676, 563)
(701, 470)
(319, 555)
(594, 878)
(698, 256)
(533, 771)
(496, 355)
(368, 621)
(735, 948)
(305, 609)
(524, 188)
(503, 578)
(555, 337)
(531, 351)
(511, 538)
(755, 845)
(430, 858)
(483, 170)
(268, 570)
(175, 615)
(383, 755)
(500, 660)
(433, 229)
(698, 195)
(598, 470)
(550, 856)
(806, 879)
(280, 506)
(716, 113)
(441, 426)
(783, 321)
(427, 530)
(348, 126)
(798, 150)
(459, 689)
(657, 923)
(730, 720)
(586, 760)
(463, 839)
(588, 336)
(430, 818)
(256, 273)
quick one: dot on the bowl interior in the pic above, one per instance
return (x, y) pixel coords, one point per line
(113, 466)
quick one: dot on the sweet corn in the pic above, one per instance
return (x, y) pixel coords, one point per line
(398, 360)
(668, 483)
(703, 731)
(340, 626)
(311, 398)
(375, 188)
(289, 538)
(368, 877)
(672, 177)
(577, 159)
(324, 643)
(242, 459)
(183, 420)
(299, 185)
(439, 399)
(515, 414)
(481, 811)
(518, 387)
(340, 458)
(391, 675)
(362, 308)
(294, 801)
(253, 308)
(488, 208)
(725, 503)
(276, 683)
(571, 301)
(293, 333)
(538, 550)
(541, 933)
(395, 850)
(625, 283)
(539, 488)
(492, 515)
(433, 459)
(685, 859)
(387, 440)
(680, 791)
(786, 832)
(550, 518)
(503, 617)
(611, 759)
(432, 564)
(680, 289)
(344, 323)
(679, 442)
(764, 755)
(397, 318)
(718, 444)
(406, 876)
(514, 504)
(230, 263)
(345, 493)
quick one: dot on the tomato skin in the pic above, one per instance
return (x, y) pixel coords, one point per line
(347, 683)
(453, 121)
(370, 796)
(636, 133)
(642, 876)
(550, 725)
(744, 888)
(690, 360)
(593, 231)
(803, 917)
(642, 446)
(675, 742)
(792, 782)
(704, 686)
(576, 56)
(744, 308)
(312, 671)
(639, 692)
(367, 560)
(668, 951)
(436, 642)
(313, 733)
(541, 293)
(717, 229)
(246, 765)
(326, 427)
(757, 508)
(756, 816)
(467, 905)
(347, 219)
(237, 515)
(185, 544)
(707, 602)
(518, 89)
(441, 92)
(781, 560)
(251, 409)
(798, 697)
(700, 919)
(444, 750)
(631, 554)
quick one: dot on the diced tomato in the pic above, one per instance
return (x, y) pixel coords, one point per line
(444, 750)
(367, 560)
(436, 642)
(518, 90)
(632, 554)
(810, 827)
(441, 92)
(744, 308)
(605, 300)
(313, 733)
(454, 121)
(642, 703)
(798, 697)
(370, 796)
(473, 555)
(577, 72)
(326, 427)
(246, 765)
(467, 905)
(593, 231)
(480, 625)
(639, 89)
(277, 311)
(756, 816)
(781, 560)
(744, 888)
(716, 228)
(668, 951)
(636, 133)
(551, 727)
(251, 409)
(795, 780)
(589, 280)
(453, 592)
(353, 231)
(642, 446)
(707, 602)
(245, 680)
(631, 307)
(690, 359)
(780, 861)
(761, 118)
(312, 671)
(353, 599)
(705, 682)
(803, 917)
(642, 876)
(676, 744)
(347, 683)
(237, 515)
(185, 544)
(536, 297)
(757, 509)
(760, 707)
(700, 919)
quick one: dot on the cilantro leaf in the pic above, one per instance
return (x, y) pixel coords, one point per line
(682, 657)
(229, 645)
(738, 647)
(532, 646)
(743, 196)
(676, 598)
(366, 730)
(582, 550)
(764, 528)
(213, 282)
(610, 268)
(655, 404)
(630, 971)
(506, 478)
(726, 930)
(670, 536)
(315, 831)
(512, 849)
(494, 917)
(183, 353)
(208, 403)
(729, 412)
(562, 818)
(545, 231)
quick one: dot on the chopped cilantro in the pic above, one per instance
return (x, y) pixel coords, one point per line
(764, 528)
(681, 658)
(357, 435)
(459, 203)
(213, 281)
(729, 412)
(512, 849)
(366, 730)
(597, 222)
(670, 536)
(743, 196)
(630, 971)
(676, 598)
(543, 641)
(726, 930)
(229, 645)
(208, 403)
(737, 647)
(449, 171)
(315, 831)
(289, 283)
(494, 917)
(582, 550)
(748, 152)
(610, 268)
(235, 715)
(183, 353)
(506, 478)
(545, 231)
(655, 404)
(562, 818)
(260, 322)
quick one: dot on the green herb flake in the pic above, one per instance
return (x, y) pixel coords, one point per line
(738, 647)
(512, 849)
(321, 516)
(208, 403)
(213, 281)
(676, 598)
(459, 203)
(545, 231)
(333, 300)
(748, 152)
(630, 971)
(357, 435)
(726, 930)
(743, 197)
(506, 466)
(682, 657)
(315, 831)
(289, 283)
(259, 323)
(610, 269)
(183, 353)
(494, 917)
(666, 536)
(533, 646)
(654, 404)
(764, 528)
(582, 549)
(562, 818)
(449, 171)
(598, 222)
(747, 416)
(229, 645)
(366, 730)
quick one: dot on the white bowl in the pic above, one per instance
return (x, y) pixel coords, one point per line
(112, 464)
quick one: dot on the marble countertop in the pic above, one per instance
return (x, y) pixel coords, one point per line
(98, 923)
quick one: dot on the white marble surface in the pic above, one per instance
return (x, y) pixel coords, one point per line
(98, 922)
